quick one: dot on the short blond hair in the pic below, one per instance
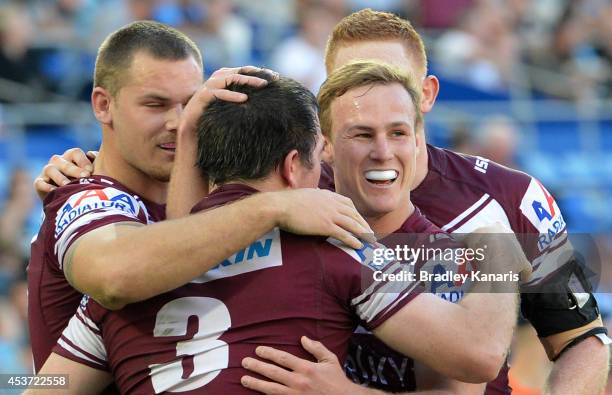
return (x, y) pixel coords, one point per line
(370, 25)
(363, 73)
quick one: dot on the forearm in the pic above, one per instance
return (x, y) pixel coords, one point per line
(139, 263)
(187, 184)
(441, 325)
(493, 316)
(82, 379)
(581, 370)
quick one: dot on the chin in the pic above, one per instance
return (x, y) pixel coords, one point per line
(160, 175)
(376, 210)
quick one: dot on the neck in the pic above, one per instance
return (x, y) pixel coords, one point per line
(135, 180)
(422, 163)
(268, 184)
(390, 222)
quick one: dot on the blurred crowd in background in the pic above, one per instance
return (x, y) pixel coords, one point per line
(525, 83)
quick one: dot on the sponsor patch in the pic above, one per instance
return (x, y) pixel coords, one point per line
(482, 164)
(261, 254)
(95, 199)
(366, 255)
(542, 211)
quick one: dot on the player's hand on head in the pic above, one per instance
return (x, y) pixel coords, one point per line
(293, 375)
(73, 163)
(215, 88)
(311, 211)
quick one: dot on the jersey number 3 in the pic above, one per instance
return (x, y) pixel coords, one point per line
(209, 354)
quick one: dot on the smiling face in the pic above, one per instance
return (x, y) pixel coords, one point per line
(374, 149)
(146, 110)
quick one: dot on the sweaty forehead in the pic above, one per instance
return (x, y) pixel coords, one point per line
(375, 103)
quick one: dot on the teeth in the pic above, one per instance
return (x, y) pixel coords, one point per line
(381, 175)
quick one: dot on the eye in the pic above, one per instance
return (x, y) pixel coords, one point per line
(153, 104)
(363, 135)
(399, 133)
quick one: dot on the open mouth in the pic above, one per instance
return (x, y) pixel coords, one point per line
(171, 147)
(381, 177)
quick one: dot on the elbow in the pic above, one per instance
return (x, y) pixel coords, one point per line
(485, 366)
(113, 292)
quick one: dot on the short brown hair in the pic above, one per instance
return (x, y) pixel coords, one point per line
(362, 73)
(116, 53)
(369, 25)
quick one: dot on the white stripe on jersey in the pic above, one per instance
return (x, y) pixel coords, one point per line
(87, 320)
(83, 337)
(379, 296)
(486, 215)
(379, 303)
(466, 212)
(71, 231)
(77, 353)
(373, 287)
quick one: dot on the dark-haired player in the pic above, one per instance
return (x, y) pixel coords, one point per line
(94, 239)
(193, 339)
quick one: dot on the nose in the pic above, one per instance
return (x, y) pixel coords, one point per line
(381, 149)
(173, 117)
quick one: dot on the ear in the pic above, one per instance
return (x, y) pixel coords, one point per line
(431, 87)
(328, 151)
(418, 142)
(101, 102)
(289, 169)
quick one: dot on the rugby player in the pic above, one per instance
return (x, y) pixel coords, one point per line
(459, 193)
(93, 239)
(567, 324)
(193, 339)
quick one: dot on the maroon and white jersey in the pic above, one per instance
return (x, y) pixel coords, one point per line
(193, 339)
(461, 193)
(370, 361)
(69, 213)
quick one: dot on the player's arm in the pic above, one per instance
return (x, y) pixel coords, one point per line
(588, 361)
(565, 316)
(82, 379)
(467, 341)
(128, 262)
(570, 328)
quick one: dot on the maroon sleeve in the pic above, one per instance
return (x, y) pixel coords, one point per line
(358, 277)
(89, 209)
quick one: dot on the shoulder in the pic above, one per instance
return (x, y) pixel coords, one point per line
(478, 173)
(86, 201)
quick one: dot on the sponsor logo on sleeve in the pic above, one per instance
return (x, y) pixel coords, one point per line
(367, 255)
(543, 212)
(482, 164)
(84, 202)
